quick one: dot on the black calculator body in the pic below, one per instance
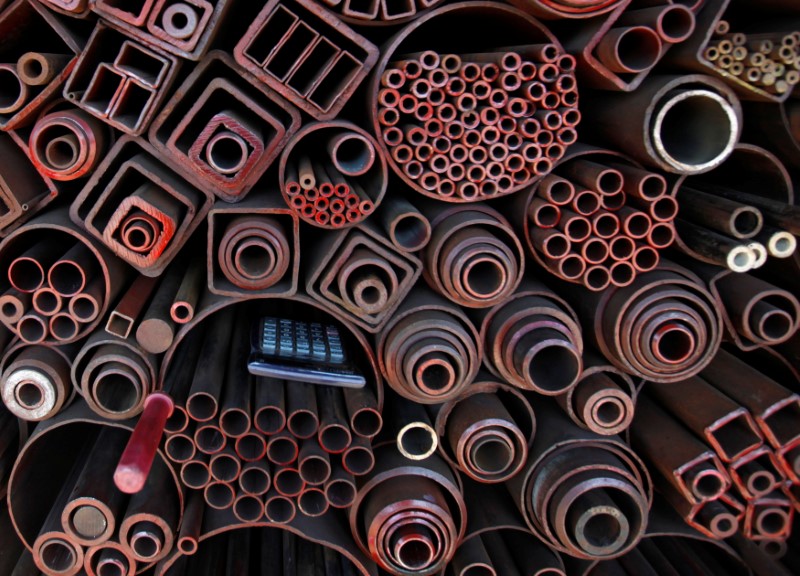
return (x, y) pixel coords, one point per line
(311, 352)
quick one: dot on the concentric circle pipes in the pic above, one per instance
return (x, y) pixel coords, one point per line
(409, 516)
(486, 432)
(663, 327)
(429, 352)
(587, 496)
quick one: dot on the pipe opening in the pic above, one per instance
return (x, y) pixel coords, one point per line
(761, 482)
(707, 485)
(340, 493)
(609, 412)
(146, 542)
(248, 509)
(62, 153)
(411, 232)
(493, 456)
(227, 153)
(771, 521)
(652, 186)
(234, 422)
(358, 461)
(11, 309)
(280, 510)
(335, 438)
(195, 475)
(270, 420)
(254, 481)
(29, 395)
(312, 502)
(179, 21)
(557, 246)
(282, 450)
(354, 155)
(315, 470)
(84, 307)
(116, 392)
(676, 24)
(486, 278)
(673, 343)
(225, 468)
(553, 368)
(415, 554)
(219, 496)
(303, 424)
(209, 439)
(202, 406)
(676, 133)
(366, 423)
(66, 278)
(58, 555)
(417, 440)
(63, 327)
(25, 274)
(289, 482)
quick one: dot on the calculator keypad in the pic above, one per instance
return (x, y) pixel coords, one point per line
(302, 340)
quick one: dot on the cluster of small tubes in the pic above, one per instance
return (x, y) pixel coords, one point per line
(601, 224)
(769, 61)
(474, 126)
(336, 189)
(55, 293)
(265, 448)
(577, 356)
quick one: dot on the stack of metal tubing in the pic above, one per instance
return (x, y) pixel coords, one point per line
(571, 324)
(601, 224)
(725, 447)
(345, 182)
(735, 229)
(769, 60)
(54, 292)
(82, 523)
(262, 447)
(474, 126)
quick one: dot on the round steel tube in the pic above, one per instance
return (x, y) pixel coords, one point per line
(179, 20)
(254, 252)
(14, 93)
(629, 50)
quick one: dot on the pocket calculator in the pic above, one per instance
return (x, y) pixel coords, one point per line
(309, 352)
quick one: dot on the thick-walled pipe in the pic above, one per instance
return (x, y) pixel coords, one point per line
(487, 442)
(603, 399)
(531, 334)
(403, 532)
(666, 111)
(254, 252)
(760, 312)
(35, 384)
